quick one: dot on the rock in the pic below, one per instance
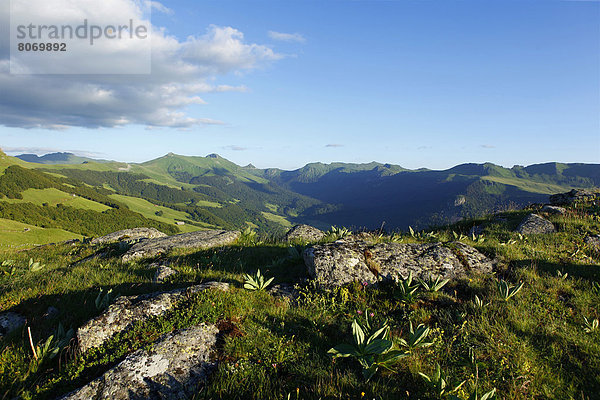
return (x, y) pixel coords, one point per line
(163, 273)
(305, 233)
(51, 312)
(534, 224)
(553, 209)
(336, 264)
(190, 240)
(284, 290)
(129, 235)
(593, 241)
(9, 321)
(129, 309)
(172, 368)
(573, 196)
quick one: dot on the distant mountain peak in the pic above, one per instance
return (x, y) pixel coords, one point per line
(213, 155)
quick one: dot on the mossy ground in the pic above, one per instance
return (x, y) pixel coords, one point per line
(533, 346)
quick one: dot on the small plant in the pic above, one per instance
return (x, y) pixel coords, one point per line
(295, 253)
(103, 301)
(406, 289)
(590, 327)
(562, 275)
(248, 236)
(35, 266)
(256, 282)
(479, 303)
(51, 347)
(439, 383)
(336, 233)
(433, 285)
(474, 396)
(416, 337)
(458, 236)
(507, 290)
(10, 267)
(372, 348)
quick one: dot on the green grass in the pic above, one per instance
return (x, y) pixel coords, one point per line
(532, 346)
(528, 185)
(277, 218)
(52, 197)
(17, 236)
(149, 210)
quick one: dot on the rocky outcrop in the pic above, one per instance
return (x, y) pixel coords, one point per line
(343, 262)
(534, 224)
(553, 210)
(304, 233)
(129, 309)
(593, 241)
(190, 240)
(129, 235)
(172, 368)
(163, 273)
(9, 321)
(573, 196)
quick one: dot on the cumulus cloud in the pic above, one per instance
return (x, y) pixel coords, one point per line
(334, 145)
(287, 37)
(182, 72)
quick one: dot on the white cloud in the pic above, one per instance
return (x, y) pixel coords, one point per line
(334, 145)
(182, 71)
(287, 37)
(487, 146)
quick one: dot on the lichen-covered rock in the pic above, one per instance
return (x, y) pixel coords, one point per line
(190, 240)
(163, 272)
(339, 263)
(172, 369)
(593, 241)
(573, 196)
(9, 321)
(305, 233)
(129, 309)
(553, 209)
(534, 224)
(129, 235)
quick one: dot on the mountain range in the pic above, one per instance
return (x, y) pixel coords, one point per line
(183, 193)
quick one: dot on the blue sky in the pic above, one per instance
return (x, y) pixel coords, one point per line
(416, 83)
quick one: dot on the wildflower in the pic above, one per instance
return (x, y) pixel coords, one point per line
(365, 283)
(359, 312)
(371, 314)
(274, 365)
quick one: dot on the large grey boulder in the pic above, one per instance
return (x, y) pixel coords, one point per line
(129, 235)
(126, 310)
(172, 368)
(9, 321)
(190, 240)
(534, 224)
(573, 196)
(305, 233)
(342, 262)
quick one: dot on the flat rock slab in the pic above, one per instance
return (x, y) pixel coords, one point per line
(172, 369)
(305, 233)
(9, 321)
(190, 240)
(534, 224)
(127, 310)
(129, 235)
(163, 273)
(336, 264)
(593, 241)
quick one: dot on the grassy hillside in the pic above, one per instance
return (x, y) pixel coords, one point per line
(17, 235)
(58, 158)
(534, 345)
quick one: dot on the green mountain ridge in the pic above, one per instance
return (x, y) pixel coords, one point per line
(213, 192)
